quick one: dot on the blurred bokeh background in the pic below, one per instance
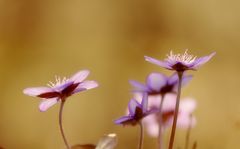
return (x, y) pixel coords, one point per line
(43, 38)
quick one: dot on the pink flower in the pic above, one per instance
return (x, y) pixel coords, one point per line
(61, 89)
(185, 118)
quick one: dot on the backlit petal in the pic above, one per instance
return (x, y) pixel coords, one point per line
(156, 81)
(80, 76)
(132, 106)
(122, 120)
(157, 62)
(144, 103)
(138, 86)
(202, 60)
(88, 84)
(45, 104)
(35, 91)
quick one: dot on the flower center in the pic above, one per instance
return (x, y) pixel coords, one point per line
(58, 81)
(182, 58)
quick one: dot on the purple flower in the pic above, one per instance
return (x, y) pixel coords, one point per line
(158, 83)
(61, 89)
(137, 111)
(181, 62)
(185, 118)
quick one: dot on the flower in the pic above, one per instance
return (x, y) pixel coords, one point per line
(61, 89)
(137, 111)
(158, 83)
(185, 118)
(181, 62)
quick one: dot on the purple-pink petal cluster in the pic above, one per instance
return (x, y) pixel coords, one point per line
(185, 115)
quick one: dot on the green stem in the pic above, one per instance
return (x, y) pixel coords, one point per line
(160, 137)
(61, 126)
(140, 145)
(180, 74)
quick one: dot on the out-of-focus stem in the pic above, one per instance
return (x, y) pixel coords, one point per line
(61, 126)
(140, 145)
(188, 133)
(160, 134)
(171, 142)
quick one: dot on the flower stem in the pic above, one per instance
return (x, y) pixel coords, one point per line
(188, 133)
(160, 137)
(180, 74)
(61, 126)
(140, 145)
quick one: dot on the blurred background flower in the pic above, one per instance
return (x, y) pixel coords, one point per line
(39, 39)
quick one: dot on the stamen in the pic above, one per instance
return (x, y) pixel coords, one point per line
(184, 58)
(58, 81)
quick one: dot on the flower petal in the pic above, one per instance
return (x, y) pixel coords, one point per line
(144, 103)
(202, 60)
(132, 106)
(188, 105)
(85, 86)
(157, 62)
(173, 80)
(45, 104)
(35, 91)
(122, 120)
(88, 84)
(138, 86)
(156, 81)
(151, 124)
(80, 76)
(61, 87)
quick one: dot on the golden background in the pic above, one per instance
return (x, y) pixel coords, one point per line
(43, 38)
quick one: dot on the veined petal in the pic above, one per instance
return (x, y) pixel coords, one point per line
(156, 81)
(35, 91)
(122, 120)
(45, 104)
(80, 76)
(157, 62)
(202, 60)
(138, 86)
(132, 106)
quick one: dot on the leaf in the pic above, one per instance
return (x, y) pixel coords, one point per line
(107, 142)
(85, 146)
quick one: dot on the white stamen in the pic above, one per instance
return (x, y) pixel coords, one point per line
(183, 58)
(58, 81)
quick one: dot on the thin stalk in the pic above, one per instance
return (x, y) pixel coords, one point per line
(194, 145)
(140, 145)
(180, 74)
(160, 137)
(188, 133)
(61, 126)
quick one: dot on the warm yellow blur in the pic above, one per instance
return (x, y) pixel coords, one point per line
(43, 38)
